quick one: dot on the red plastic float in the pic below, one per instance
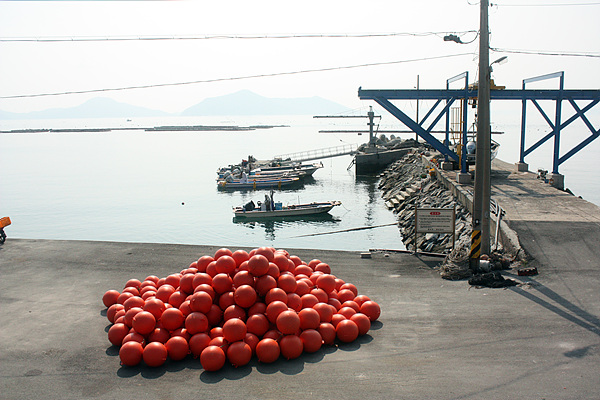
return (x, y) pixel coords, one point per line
(233, 305)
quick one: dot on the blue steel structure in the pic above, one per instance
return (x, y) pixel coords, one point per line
(384, 97)
(463, 160)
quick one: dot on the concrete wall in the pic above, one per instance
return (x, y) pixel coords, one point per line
(507, 237)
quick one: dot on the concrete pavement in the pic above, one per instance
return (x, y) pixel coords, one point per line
(435, 339)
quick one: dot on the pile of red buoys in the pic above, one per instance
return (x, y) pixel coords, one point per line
(235, 305)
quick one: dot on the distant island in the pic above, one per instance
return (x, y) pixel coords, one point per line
(177, 128)
(243, 102)
(212, 128)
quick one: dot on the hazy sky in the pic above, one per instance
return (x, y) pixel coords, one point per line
(29, 67)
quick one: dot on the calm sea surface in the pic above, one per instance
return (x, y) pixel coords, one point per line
(138, 186)
(159, 187)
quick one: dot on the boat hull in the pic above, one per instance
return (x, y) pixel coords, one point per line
(290, 211)
(257, 184)
(303, 169)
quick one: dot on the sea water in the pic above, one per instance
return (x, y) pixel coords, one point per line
(159, 187)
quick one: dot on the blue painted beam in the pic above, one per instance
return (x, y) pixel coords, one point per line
(595, 132)
(557, 119)
(580, 113)
(505, 94)
(538, 143)
(383, 97)
(577, 148)
(440, 115)
(541, 110)
(429, 112)
(418, 129)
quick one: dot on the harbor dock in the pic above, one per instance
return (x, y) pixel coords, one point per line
(435, 339)
(552, 226)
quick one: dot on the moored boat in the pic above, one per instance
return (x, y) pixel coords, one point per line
(279, 210)
(270, 169)
(472, 146)
(257, 183)
(280, 167)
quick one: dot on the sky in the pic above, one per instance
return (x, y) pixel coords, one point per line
(216, 44)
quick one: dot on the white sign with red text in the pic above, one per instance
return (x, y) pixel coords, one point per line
(435, 220)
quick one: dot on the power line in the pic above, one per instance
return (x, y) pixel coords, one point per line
(545, 5)
(546, 53)
(222, 37)
(234, 78)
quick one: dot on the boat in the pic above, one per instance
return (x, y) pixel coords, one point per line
(268, 174)
(256, 183)
(250, 211)
(472, 146)
(270, 170)
(281, 167)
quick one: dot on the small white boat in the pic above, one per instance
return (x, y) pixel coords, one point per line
(224, 184)
(282, 167)
(471, 147)
(250, 210)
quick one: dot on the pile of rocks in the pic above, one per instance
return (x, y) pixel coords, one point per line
(406, 184)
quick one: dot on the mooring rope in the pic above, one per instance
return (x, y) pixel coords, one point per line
(345, 230)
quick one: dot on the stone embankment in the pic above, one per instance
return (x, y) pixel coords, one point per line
(407, 184)
(410, 183)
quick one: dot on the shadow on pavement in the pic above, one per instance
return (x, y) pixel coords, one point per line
(571, 312)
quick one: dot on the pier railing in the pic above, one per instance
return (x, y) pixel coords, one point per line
(328, 152)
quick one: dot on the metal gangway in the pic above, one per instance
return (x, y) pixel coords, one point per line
(317, 154)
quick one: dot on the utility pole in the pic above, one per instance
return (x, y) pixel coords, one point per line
(480, 243)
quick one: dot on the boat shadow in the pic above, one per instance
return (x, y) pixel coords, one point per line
(309, 219)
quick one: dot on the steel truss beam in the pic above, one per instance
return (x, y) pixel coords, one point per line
(383, 97)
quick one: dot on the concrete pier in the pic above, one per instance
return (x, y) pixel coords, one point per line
(435, 339)
(537, 214)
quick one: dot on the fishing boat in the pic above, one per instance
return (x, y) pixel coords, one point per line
(256, 183)
(271, 170)
(268, 174)
(472, 146)
(250, 211)
(275, 167)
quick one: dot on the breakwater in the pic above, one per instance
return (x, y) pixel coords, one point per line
(411, 183)
(407, 184)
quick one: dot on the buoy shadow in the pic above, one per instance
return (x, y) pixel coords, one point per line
(112, 351)
(228, 372)
(376, 325)
(355, 344)
(143, 370)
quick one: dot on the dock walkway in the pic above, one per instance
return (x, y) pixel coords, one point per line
(543, 217)
(560, 231)
(319, 154)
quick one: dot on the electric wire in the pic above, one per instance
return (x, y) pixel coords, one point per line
(223, 37)
(545, 53)
(545, 5)
(235, 78)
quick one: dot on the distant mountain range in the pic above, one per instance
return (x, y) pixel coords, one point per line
(243, 102)
(99, 107)
(246, 102)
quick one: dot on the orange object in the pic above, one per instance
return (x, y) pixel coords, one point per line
(4, 221)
